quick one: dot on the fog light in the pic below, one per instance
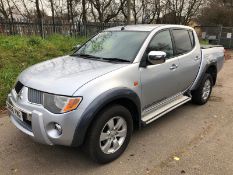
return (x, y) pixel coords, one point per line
(54, 130)
(58, 128)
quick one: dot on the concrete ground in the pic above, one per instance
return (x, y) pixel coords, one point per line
(189, 140)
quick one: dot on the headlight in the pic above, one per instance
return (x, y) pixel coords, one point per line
(60, 104)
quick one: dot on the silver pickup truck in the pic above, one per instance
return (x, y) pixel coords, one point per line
(118, 81)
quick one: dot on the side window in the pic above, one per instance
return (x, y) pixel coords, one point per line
(161, 42)
(192, 38)
(182, 41)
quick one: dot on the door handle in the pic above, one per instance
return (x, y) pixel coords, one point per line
(173, 67)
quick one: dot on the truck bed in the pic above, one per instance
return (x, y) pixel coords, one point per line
(210, 54)
(213, 54)
(209, 46)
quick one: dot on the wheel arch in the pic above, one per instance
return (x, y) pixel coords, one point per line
(212, 70)
(122, 96)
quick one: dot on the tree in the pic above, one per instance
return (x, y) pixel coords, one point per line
(107, 10)
(128, 11)
(53, 13)
(84, 13)
(104, 11)
(39, 17)
(11, 16)
(26, 10)
(151, 11)
(136, 8)
(181, 11)
(3, 11)
(217, 12)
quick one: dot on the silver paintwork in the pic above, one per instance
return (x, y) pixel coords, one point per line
(113, 135)
(65, 75)
(162, 82)
(210, 55)
(73, 76)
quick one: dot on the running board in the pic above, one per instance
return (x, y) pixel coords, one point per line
(165, 109)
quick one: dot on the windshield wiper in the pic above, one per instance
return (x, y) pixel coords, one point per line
(86, 56)
(116, 59)
(101, 58)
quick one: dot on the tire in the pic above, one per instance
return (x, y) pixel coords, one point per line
(111, 146)
(198, 96)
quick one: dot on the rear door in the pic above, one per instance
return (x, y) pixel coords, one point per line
(189, 55)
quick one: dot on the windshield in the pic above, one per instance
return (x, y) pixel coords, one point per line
(115, 45)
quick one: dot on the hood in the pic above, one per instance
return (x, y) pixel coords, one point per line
(64, 75)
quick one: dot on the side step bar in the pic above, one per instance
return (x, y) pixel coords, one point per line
(165, 109)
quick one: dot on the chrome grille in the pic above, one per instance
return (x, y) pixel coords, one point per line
(35, 96)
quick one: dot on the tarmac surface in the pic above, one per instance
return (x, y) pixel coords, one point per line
(189, 140)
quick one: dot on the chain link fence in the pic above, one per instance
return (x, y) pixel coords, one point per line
(217, 35)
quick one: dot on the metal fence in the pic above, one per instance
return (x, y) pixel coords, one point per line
(216, 35)
(47, 27)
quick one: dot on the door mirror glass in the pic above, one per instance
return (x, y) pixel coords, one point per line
(156, 57)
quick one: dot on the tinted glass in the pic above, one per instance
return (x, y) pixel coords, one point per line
(162, 42)
(115, 44)
(191, 38)
(182, 41)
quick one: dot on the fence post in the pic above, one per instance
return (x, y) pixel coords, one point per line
(13, 26)
(79, 28)
(85, 28)
(231, 38)
(42, 28)
(76, 29)
(220, 35)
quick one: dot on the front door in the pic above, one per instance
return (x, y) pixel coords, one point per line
(160, 81)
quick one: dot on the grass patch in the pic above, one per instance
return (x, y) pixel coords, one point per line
(18, 53)
(204, 42)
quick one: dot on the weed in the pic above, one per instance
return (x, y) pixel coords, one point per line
(17, 53)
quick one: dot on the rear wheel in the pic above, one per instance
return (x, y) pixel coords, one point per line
(202, 94)
(109, 134)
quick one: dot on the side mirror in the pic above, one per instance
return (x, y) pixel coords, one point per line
(76, 47)
(156, 57)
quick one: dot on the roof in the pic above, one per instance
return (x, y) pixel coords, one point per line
(141, 27)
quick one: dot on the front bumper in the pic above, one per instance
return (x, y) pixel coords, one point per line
(38, 123)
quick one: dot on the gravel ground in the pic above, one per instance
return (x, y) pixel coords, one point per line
(189, 140)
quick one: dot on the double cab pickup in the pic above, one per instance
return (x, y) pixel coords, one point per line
(120, 80)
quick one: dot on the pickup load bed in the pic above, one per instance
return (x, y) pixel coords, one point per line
(211, 54)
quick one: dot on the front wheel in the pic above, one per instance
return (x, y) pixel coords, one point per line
(109, 134)
(202, 94)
